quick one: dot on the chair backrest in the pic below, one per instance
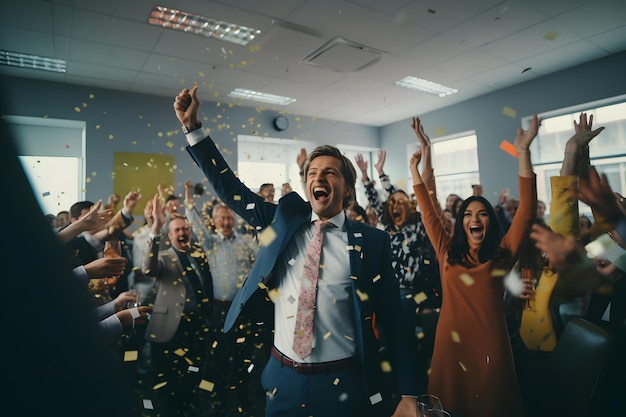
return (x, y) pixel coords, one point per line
(574, 367)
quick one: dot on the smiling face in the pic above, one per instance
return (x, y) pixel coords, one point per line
(179, 232)
(326, 186)
(476, 223)
(399, 208)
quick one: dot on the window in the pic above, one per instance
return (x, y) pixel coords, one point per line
(370, 155)
(52, 153)
(607, 150)
(263, 160)
(455, 159)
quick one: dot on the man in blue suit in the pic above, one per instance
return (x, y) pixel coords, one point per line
(343, 374)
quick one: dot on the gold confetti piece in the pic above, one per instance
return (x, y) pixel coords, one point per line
(426, 261)
(77, 109)
(180, 352)
(376, 278)
(550, 36)
(327, 335)
(467, 279)
(439, 131)
(236, 197)
(206, 385)
(131, 355)
(348, 337)
(507, 111)
(159, 385)
(431, 192)
(420, 335)
(88, 180)
(336, 381)
(214, 345)
(262, 286)
(267, 236)
(363, 296)
(241, 340)
(455, 337)
(169, 144)
(401, 184)
(420, 298)
(110, 136)
(462, 366)
(357, 248)
(322, 266)
(274, 294)
(353, 277)
(498, 273)
(385, 366)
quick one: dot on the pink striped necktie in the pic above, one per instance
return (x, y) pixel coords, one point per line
(303, 334)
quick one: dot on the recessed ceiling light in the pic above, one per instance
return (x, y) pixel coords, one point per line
(200, 25)
(262, 97)
(425, 86)
(17, 59)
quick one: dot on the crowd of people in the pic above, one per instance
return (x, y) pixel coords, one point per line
(253, 305)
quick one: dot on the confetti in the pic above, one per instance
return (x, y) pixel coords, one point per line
(336, 381)
(550, 36)
(206, 385)
(455, 337)
(147, 404)
(131, 355)
(420, 298)
(236, 197)
(376, 278)
(358, 234)
(274, 294)
(46, 194)
(363, 296)
(507, 111)
(291, 262)
(509, 148)
(467, 279)
(376, 398)
(169, 144)
(250, 206)
(267, 236)
(385, 366)
(462, 366)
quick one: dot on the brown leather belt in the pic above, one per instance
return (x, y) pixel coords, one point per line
(314, 368)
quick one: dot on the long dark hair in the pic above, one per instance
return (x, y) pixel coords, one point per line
(490, 249)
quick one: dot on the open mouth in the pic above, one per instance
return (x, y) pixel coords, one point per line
(477, 231)
(320, 193)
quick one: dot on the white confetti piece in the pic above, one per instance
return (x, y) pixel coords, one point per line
(147, 404)
(358, 234)
(376, 398)
(292, 262)
(250, 206)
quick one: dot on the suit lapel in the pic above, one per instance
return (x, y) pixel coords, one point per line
(355, 241)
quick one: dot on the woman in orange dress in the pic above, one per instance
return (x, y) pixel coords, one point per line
(472, 369)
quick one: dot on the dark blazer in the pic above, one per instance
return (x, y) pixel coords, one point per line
(370, 270)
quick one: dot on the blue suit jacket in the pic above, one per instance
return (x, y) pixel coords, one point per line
(370, 270)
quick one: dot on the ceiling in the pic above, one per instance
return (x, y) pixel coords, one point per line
(475, 46)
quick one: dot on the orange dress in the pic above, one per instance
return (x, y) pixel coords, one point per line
(472, 369)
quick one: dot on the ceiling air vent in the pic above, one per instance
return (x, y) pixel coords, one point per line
(342, 55)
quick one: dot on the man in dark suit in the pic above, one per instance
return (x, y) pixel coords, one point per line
(342, 373)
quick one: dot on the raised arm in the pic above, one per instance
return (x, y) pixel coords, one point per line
(150, 265)
(94, 220)
(522, 142)
(372, 195)
(564, 216)
(428, 173)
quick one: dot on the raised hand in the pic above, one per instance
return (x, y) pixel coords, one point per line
(187, 105)
(525, 137)
(583, 132)
(301, 159)
(158, 214)
(361, 163)
(382, 156)
(130, 201)
(595, 191)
